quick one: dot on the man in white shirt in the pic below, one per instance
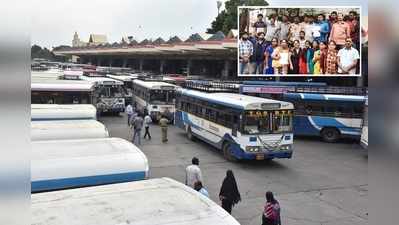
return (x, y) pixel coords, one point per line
(193, 173)
(348, 58)
(147, 121)
(129, 112)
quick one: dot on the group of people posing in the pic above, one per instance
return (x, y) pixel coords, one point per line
(283, 47)
(229, 194)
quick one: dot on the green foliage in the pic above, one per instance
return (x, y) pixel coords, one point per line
(227, 19)
(44, 53)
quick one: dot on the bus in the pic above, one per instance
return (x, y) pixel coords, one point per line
(110, 94)
(50, 89)
(63, 112)
(161, 201)
(67, 129)
(63, 164)
(243, 127)
(364, 138)
(127, 80)
(154, 98)
(330, 116)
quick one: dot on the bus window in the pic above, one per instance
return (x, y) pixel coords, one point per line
(256, 122)
(282, 121)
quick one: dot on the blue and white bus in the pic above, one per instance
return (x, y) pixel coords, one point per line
(330, 116)
(243, 127)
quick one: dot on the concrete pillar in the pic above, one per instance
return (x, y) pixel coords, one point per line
(161, 66)
(124, 62)
(225, 73)
(189, 64)
(359, 81)
(99, 61)
(141, 62)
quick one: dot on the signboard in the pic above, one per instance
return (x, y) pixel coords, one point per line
(265, 89)
(171, 88)
(270, 106)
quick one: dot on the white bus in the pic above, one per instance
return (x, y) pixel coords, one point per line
(62, 164)
(63, 112)
(364, 138)
(243, 127)
(67, 129)
(109, 92)
(160, 201)
(127, 80)
(154, 98)
(50, 89)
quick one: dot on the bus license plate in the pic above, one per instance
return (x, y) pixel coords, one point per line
(260, 157)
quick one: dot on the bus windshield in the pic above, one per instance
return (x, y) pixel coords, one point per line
(267, 122)
(161, 97)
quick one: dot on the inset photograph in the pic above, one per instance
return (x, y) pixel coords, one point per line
(299, 41)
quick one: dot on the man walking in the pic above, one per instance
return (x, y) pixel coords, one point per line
(163, 122)
(193, 173)
(129, 112)
(147, 121)
(137, 124)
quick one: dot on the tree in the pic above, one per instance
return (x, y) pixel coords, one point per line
(227, 19)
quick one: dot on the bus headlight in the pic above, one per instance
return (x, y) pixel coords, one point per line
(285, 147)
(253, 148)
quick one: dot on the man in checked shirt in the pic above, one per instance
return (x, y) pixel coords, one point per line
(245, 50)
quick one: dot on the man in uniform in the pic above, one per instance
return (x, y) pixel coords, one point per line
(163, 122)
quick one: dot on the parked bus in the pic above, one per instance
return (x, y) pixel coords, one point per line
(243, 127)
(63, 164)
(109, 92)
(47, 88)
(327, 115)
(364, 138)
(127, 80)
(67, 129)
(62, 112)
(160, 201)
(155, 98)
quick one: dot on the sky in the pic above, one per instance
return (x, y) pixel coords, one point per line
(54, 22)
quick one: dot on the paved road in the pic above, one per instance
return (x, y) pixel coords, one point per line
(322, 184)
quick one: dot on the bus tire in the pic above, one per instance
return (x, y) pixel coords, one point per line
(330, 134)
(190, 133)
(227, 152)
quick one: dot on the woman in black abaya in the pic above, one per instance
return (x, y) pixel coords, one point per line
(229, 194)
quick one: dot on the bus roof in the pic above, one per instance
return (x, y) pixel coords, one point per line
(153, 84)
(102, 80)
(121, 77)
(67, 129)
(71, 86)
(162, 201)
(60, 164)
(62, 112)
(237, 101)
(325, 97)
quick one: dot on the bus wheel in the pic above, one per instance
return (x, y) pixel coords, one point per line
(330, 134)
(190, 134)
(227, 152)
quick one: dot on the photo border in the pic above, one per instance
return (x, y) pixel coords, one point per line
(298, 75)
